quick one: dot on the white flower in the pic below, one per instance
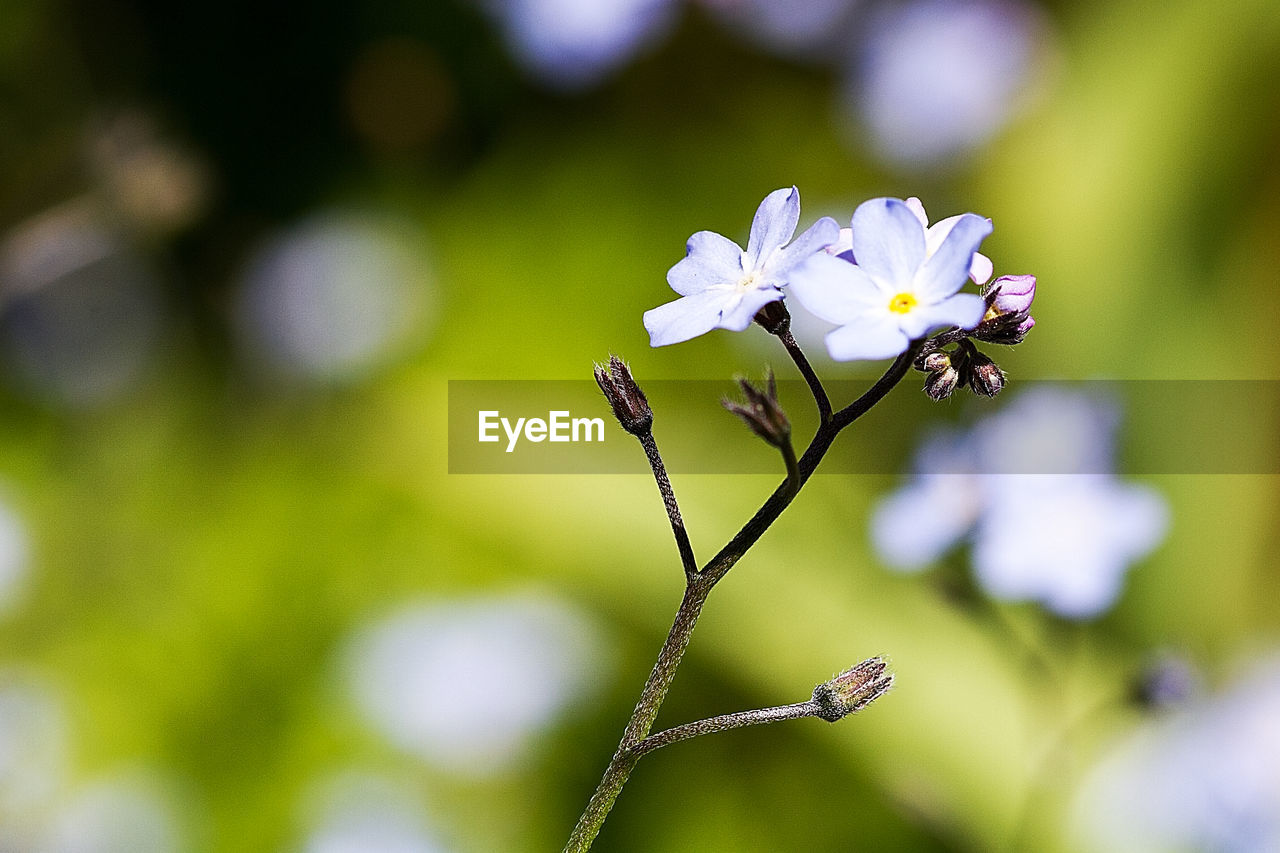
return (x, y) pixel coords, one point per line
(893, 289)
(722, 286)
(468, 684)
(1204, 778)
(1031, 486)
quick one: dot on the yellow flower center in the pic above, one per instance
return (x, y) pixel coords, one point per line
(903, 303)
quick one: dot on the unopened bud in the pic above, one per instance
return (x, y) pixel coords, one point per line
(774, 318)
(940, 384)
(853, 689)
(761, 411)
(1011, 294)
(1008, 317)
(985, 376)
(625, 397)
(936, 361)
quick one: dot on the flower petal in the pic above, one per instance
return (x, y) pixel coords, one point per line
(869, 337)
(888, 241)
(773, 225)
(917, 207)
(740, 315)
(712, 259)
(816, 238)
(981, 268)
(685, 318)
(948, 268)
(964, 310)
(834, 289)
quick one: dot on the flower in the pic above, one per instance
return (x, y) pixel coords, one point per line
(1008, 317)
(1204, 777)
(721, 286)
(572, 45)
(893, 289)
(933, 80)
(980, 268)
(1031, 487)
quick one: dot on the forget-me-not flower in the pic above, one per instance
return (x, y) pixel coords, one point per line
(894, 286)
(722, 287)
(1032, 488)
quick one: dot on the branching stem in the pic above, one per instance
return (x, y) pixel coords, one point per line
(700, 583)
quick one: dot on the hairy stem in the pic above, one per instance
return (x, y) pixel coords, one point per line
(669, 501)
(698, 586)
(724, 723)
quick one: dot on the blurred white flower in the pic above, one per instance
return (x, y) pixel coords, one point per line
(80, 308)
(33, 756)
(331, 298)
(936, 78)
(1205, 778)
(13, 557)
(126, 814)
(1031, 486)
(356, 812)
(468, 684)
(801, 29)
(573, 44)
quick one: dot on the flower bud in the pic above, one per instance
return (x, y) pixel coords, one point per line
(774, 318)
(852, 690)
(940, 384)
(1011, 294)
(625, 397)
(761, 411)
(1008, 317)
(936, 361)
(985, 376)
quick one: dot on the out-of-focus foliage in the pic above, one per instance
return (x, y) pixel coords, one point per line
(243, 248)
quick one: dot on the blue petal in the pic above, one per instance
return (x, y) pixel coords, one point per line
(773, 225)
(684, 318)
(834, 289)
(816, 238)
(868, 338)
(888, 241)
(738, 317)
(964, 310)
(712, 259)
(947, 269)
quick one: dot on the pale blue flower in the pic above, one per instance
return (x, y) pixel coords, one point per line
(895, 290)
(1206, 777)
(1031, 487)
(574, 44)
(722, 287)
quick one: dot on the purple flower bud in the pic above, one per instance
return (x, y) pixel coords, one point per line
(1011, 294)
(853, 689)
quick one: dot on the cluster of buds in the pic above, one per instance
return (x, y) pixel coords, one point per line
(1007, 321)
(761, 411)
(852, 690)
(964, 366)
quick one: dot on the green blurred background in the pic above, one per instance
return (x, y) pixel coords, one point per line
(224, 477)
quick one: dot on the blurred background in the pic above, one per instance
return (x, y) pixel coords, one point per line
(244, 247)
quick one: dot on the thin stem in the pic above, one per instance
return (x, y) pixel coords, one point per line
(806, 370)
(724, 723)
(698, 586)
(669, 501)
(793, 467)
